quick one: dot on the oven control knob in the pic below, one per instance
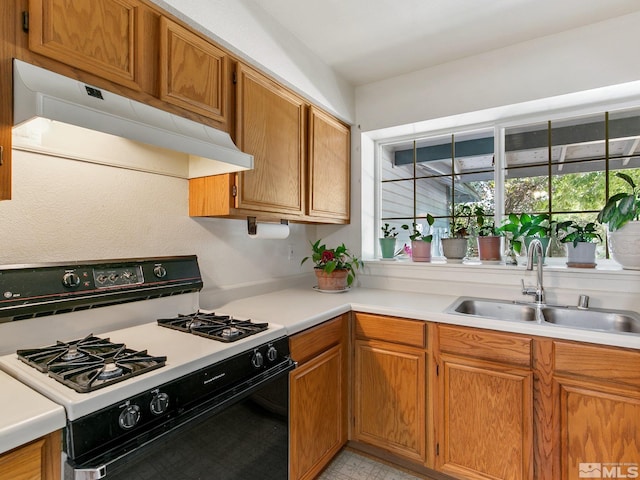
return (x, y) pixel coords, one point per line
(129, 417)
(159, 403)
(71, 279)
(272, 353)
(257, 360)
(159, 271)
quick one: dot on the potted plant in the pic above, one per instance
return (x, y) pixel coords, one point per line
(581, 247)
(621, 213)
(489, 237)
(525, 227)
(388, 241)
(420, 242)
(455, 247)
(335, 268)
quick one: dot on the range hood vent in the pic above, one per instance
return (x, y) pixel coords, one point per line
(42, 93)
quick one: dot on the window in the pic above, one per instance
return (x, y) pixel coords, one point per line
(563, 167)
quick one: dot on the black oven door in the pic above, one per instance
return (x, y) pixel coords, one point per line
(247, 438)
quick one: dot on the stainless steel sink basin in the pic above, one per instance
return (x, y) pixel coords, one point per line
(594, 319)
(497, 309)
(616, 321)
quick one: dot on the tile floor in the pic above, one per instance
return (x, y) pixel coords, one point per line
(349, 465)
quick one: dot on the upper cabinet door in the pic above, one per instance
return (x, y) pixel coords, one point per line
(271, 127)
(194, 74)
(329, 167)
(97, 36)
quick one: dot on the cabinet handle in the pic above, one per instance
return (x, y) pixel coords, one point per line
(1, 154)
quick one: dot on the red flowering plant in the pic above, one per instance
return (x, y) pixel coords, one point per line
(330, 259)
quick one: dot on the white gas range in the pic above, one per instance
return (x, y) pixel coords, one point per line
(127, 390)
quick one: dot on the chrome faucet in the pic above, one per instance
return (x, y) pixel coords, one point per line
(538, 291)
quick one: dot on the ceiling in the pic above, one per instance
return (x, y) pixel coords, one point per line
(370, 40)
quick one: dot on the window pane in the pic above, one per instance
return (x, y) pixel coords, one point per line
(527, 194)
(432, 196)
(397, 199)
(624, 148)
(389, 169)
(578, 186)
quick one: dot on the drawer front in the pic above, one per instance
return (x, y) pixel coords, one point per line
(391, 329)
(312, 342)
(499, 347)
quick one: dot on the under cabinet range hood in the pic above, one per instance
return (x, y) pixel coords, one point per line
(40, 93)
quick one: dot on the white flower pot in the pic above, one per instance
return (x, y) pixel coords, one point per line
(454, 248)
(624, 245)
(583, 255)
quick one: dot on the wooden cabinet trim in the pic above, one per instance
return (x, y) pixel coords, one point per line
(483, 344)
(390, 329)
(40, 459)
(310, 343)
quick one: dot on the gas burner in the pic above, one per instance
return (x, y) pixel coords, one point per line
(90, 363)
(218, 327)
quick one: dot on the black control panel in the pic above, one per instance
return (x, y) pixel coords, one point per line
(36, 290)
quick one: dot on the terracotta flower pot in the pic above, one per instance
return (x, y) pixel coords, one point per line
(336, 280)
(420, 251)
(489, 248)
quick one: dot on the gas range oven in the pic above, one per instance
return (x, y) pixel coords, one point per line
(152, 386)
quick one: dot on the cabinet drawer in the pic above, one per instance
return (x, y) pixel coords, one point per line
(500, 347)
(391, 329)
(601, 363)
(312, 342)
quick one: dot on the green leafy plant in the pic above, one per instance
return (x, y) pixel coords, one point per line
(621, 208)
(415, 234)
(530, 225)
(486, 226)
(330, 259)
(581, 233)
(460, 224)
(389, 231)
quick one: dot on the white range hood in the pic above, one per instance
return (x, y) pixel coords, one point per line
(40, 93)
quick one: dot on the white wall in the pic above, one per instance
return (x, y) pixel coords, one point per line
(585, 58)
(64, 210)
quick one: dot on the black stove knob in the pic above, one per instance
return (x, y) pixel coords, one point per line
(129, 417)
(272, 353)
(257, 360)
(159, 271)
(71, 279)
(159, 403)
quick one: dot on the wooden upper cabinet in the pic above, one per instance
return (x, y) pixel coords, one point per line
(194, 74)
(101, 37)
(329, 167)
(271, 123)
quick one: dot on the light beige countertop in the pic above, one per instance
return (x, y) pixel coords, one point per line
(26, 415)
(302, 307)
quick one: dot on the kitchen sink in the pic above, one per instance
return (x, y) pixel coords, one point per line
(608, 320)
(616, 321)
(497, 309)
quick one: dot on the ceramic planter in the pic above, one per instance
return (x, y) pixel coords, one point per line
(583, 255)
(387, 247)
(489, 248)
(420, 251)
(624, 245)
(336, 280)
(454, 248)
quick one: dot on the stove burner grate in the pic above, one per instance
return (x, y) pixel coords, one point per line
(90, 363)
(209, 325)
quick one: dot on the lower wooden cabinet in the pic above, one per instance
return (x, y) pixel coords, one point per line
(485, 408)
(389, 399)
(318, 397)
(597, 412)
(37, 460)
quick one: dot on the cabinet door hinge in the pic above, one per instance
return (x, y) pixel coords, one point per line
(437, 449)
(234, 191)
(25, 21)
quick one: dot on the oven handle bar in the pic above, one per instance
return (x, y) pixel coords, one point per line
(215, 405)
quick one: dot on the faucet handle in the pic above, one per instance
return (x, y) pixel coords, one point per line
(527, 290)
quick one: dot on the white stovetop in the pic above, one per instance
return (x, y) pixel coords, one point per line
(185, 353)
